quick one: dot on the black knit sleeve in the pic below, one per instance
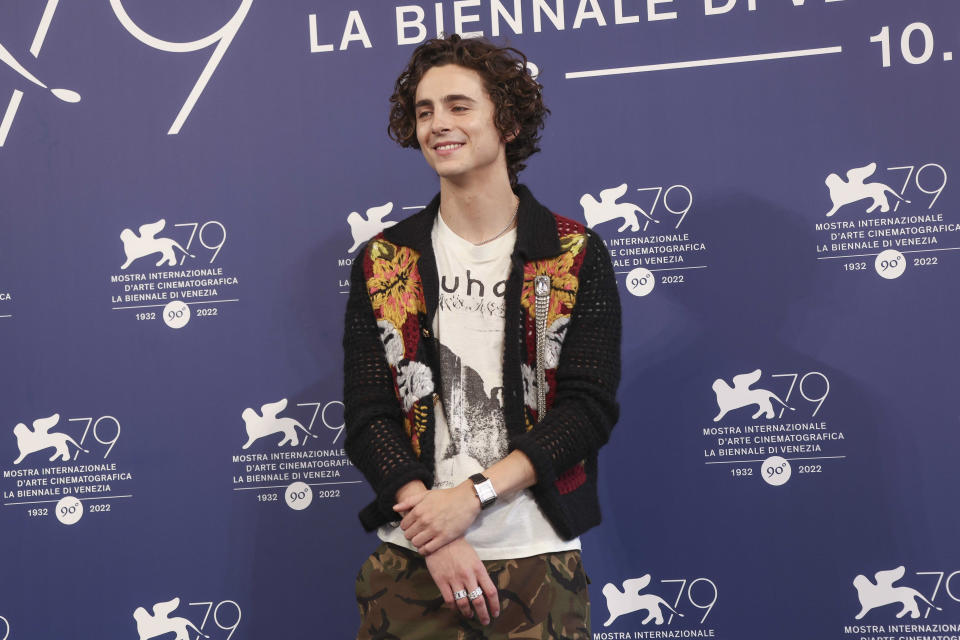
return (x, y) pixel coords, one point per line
(585, 406)
(375, 440)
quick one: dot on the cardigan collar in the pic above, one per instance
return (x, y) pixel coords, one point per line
(537, 236)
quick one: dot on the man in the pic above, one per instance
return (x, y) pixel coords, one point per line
(481, 353)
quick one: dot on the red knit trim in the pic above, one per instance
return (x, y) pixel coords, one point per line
(571, 479)
(566, 226)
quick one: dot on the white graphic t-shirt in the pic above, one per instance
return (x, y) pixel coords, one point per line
(470, 431)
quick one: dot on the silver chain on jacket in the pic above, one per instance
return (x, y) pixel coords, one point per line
(541, 290)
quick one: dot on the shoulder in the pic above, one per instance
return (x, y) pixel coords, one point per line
(567, 226)
(576, 237)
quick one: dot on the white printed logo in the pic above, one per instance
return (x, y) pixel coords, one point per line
(608, 209)
(363, 228)
(139, 246)
(741, 395)
(667, 255)
(630, 600)
(258, 426)
(145, 288)
(883, 593)
(160, 623)
(222, 38)
(855, 189)
(39, 438)
(69, 510)
(41, 483)
(66, 95)
(6, 628)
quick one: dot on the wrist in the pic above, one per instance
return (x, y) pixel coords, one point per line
(483, 490)
(411, 490)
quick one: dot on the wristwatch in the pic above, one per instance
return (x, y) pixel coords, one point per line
(484, 490)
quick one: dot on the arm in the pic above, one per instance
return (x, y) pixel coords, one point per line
(434, 518)
(375, 440)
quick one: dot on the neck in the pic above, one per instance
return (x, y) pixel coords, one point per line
(476, 213)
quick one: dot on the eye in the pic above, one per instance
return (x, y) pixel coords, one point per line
(422, 114)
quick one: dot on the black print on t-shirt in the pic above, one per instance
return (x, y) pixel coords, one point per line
(473, 286)
(481, 433)
(492, 308)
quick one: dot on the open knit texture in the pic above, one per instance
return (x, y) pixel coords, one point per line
(390, 393)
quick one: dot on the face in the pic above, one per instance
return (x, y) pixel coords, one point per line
(455, 125)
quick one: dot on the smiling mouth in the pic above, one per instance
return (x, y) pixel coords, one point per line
(450, 146)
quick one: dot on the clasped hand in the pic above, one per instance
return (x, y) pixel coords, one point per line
(456, 567)
(437, 517)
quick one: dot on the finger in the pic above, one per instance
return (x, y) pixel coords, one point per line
(414, 530)
(433, 544)
(447, 594)
(479, 604)
(463, 604)
(490, 593)
(421, 540)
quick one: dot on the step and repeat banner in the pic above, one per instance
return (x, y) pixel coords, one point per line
(185, 185)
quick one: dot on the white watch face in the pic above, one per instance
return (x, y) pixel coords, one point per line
(485, 491)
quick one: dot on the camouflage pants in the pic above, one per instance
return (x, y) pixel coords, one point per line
(541, 598)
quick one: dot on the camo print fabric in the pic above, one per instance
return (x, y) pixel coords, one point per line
(541, 598)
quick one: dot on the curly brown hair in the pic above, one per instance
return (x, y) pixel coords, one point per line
(518, 104)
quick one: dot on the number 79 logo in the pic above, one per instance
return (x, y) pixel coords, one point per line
(220, 41)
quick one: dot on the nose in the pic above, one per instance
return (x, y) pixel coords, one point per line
(440, 122)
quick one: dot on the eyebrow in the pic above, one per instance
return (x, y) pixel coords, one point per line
(455, 97)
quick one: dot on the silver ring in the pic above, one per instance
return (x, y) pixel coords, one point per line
(460, 595)
(476, 593)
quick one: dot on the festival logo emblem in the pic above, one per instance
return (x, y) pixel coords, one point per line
(774, 427)
(892, 606)
(883, 593)
(146, 243)
(894, 228)
(675, 602)
(855, 189)
(663, 257)
(39, 438)
(608, 209)
(75, 472)
(267, 424)
(5, 628)
(630, 600)
(286, 462)
(741, 395)
(187, 272)
(363, 228)
(159, 623)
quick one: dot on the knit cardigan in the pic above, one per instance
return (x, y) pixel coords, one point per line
(392, 374)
